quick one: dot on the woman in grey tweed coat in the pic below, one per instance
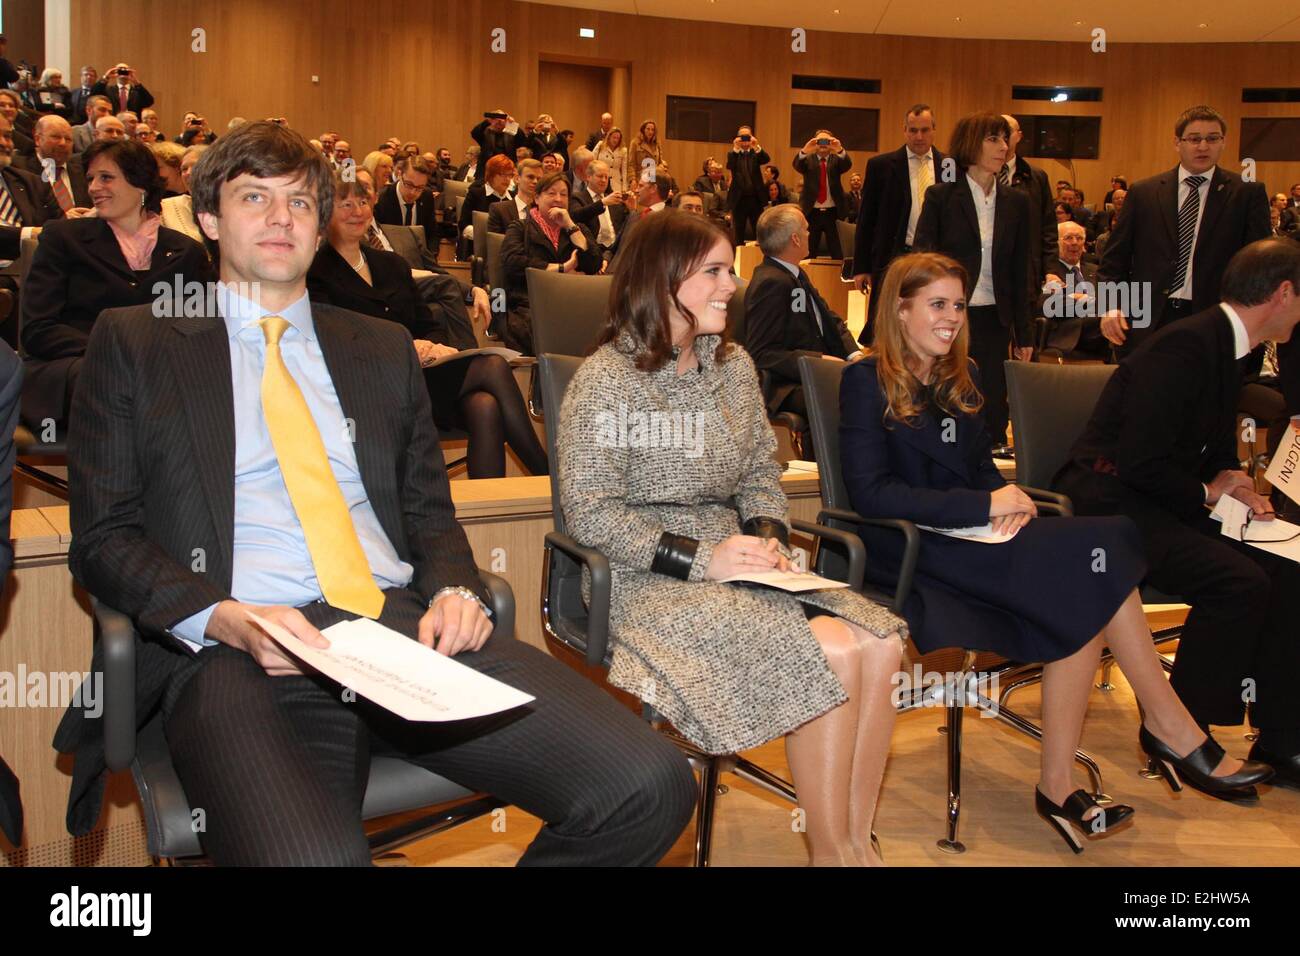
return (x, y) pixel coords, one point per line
(666, 465)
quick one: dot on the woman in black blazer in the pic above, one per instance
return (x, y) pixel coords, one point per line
(477, 395)
(992, 243)
(914, 446)
(495, 187)
(547, 239)
(83, 266)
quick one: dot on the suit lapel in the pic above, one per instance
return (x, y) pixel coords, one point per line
(1167, 194)
(967, 203)
(1216, 200)
(107, 250)
(201, 361)
(927, 438)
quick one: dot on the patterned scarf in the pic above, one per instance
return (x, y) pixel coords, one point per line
(551, 229)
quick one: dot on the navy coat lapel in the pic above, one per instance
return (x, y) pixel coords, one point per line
(928, 436)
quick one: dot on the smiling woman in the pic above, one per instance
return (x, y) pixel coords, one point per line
(83, 266)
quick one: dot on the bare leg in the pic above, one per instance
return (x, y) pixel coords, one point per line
(1066, 684)
(821, 751)
(1129, 638)
(876, 712)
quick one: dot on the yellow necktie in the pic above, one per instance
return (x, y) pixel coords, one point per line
(340, 563)
(924, 180)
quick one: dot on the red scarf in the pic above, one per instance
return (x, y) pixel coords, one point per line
(552, 231)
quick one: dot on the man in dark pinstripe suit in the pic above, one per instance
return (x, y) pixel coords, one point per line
(181, 519)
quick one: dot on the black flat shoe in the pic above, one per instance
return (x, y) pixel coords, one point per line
(1286, 770)
(1074, 814)
(1197, 769)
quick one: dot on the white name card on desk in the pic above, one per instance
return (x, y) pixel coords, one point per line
(1284, 470)
(399, 674)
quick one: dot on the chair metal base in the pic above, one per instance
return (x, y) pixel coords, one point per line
(711, 767)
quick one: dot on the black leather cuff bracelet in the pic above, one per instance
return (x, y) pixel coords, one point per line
(767, 528)
(674, 555)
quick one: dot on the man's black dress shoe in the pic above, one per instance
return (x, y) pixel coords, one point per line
(1286, 770)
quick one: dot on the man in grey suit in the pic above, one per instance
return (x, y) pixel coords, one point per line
(97, 107)
(175, 453)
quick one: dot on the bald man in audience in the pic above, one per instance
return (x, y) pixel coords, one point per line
(54, 162)
(606, 124)
(130, 121)
(109, 128)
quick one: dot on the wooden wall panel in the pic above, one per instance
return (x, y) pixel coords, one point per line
(427, 72)
(24, 26)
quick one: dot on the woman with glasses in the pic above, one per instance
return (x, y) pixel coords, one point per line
(477, 395)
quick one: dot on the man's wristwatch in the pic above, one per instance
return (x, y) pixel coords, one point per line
(465, 593)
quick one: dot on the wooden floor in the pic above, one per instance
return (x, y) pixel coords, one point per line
(999, 826)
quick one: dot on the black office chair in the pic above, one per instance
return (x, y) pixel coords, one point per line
(848, 233)
(395, 786)
(1050, 407)
(584, 627)
(478, 262)
(821, 384)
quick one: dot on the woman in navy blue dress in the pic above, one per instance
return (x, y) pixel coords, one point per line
(914, 446)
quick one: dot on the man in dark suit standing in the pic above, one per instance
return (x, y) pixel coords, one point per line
(822, 162)
(408, 202)
(492, 138)
(124, 90)
(892, 196)
(240, 418)
(1017, 173)
(77, 100)
(1178, 230)
(1162, 448)
(785, 316)
(748, 193)
(606, 124)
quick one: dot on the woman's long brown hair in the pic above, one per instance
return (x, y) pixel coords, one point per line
(954, 389)
(661, 254)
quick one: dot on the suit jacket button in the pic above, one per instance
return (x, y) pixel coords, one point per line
(131, 283)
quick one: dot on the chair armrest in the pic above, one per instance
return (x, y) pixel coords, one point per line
(1050, 502)
(911, 547)
(502, 599)
(117, 636)
(852, 544)
(597, 566)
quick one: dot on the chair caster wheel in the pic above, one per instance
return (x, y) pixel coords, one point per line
(951, 846)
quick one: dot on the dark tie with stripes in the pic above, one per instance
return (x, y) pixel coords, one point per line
(1187, 229)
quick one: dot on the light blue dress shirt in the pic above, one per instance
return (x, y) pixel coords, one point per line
(271, 561)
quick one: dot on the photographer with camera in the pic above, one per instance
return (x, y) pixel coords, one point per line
(195, 131)
(497, 135)
(748, 192)
(823, 161)
(124, 90)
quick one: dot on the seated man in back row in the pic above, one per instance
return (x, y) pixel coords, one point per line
(281, 457)
(785, 316)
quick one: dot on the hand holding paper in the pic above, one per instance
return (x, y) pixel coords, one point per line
(399, 674)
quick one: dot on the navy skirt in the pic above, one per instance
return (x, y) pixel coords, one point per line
(1038, 597)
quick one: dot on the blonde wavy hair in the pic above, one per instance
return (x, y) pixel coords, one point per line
(954, 389)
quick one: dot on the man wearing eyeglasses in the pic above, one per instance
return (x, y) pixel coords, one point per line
(1178, 230)
(407, 202)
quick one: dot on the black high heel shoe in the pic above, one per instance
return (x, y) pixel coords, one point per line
(1063, 819)
(1197, 769)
